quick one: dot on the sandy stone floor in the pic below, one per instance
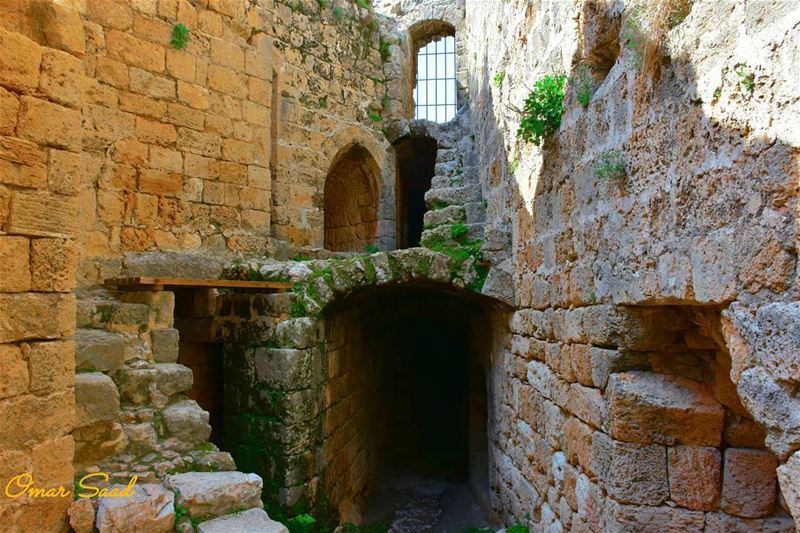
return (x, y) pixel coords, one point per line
(419, 503)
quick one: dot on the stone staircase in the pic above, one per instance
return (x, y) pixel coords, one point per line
(455, 195)
(134, 419)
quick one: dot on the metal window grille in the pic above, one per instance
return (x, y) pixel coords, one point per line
(435, 92)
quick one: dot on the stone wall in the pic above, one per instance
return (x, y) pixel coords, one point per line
(39, 154)
(688, 224)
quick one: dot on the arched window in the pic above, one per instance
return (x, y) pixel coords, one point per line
(351, 201)
(435, 88)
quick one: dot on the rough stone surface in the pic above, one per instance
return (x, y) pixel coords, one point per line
(216, 493)
(164, 345)
(99, 350)
(788, 476)
(81, 516)
(694, 476)
(646, 407)
(151, 508)
(748, 482)
(252, 520)
(187, 421)
(96, 399)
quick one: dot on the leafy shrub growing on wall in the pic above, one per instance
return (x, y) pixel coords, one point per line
(180, 36)
(498, 79)
(582, 83)
(541, 115)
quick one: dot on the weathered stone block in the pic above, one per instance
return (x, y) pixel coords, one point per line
(54, 265)
(694, 476)
(62, 78)
(151, 508)
(13, 371)
(28, 418)
(164, 343)
(788, 476)
(81, 515)
(99, 350)
(14, 254)
(48, 123)
(52, 365)
(631, 473)
(96, 399)
(154, 385)
(36, 316)
(62, 28)
(9, 106)
(187, 421)
(636, 519)
(216, 493)
(725, 523)
(284, 368)
(250, 520)
(587, 404)
(749, 482)
(27, 208)
(19, 61)
(52, 461)
(646, 407)
(296, 333)
(133, 51)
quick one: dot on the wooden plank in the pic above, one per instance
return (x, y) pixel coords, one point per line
(144, 283)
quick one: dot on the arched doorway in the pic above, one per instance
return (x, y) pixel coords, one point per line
(415, 157)
(351, 200)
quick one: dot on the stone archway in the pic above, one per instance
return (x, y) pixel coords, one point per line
(351, 200)
(308, 373)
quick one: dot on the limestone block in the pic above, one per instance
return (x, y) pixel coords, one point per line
(151, 509)
(161, 304)
(578, 443)
(99, 350)
(164, 343)
(694, 476)
(14, 254)
(13, 371)
(62, 78)
(725, 523)
(646, 407)
(296, 333)
(587, 404)
(142, 438)
(54, 265)
(26, 214)
(9, 106)
(52, 364)
(635, 519)
(19, 61)
(63, 28)
(187, 421)
(207, 494)
(283, 368)
(48, 123)
(631, 473)
(81, 515)
(743, 433)
(129, 318)
(96, 399)
(789, 478)
(134, 51)
(28, 418)
(749, 482)
(154, 385)
(36, 316)
(252, 521)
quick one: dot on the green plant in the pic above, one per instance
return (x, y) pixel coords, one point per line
(518, 528)
(458, 230)
(324, 3)
(384, 49)
(385, 101)
(303, 523)
(180, 36)
(541, 115)
(582, 83)
(498, 79)
(364, 4)
(438, 204)
(338, 12)
(374, 117)
(323, 102)
(371, 249)
(746, 78)
(512, 166)
(610, 165)
(717, 94)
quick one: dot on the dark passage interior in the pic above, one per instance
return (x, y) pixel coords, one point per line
(406, 442)
(416, 164)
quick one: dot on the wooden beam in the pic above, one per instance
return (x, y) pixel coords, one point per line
(146, 283)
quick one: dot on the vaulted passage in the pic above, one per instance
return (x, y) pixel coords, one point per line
(405, 435)
(416, 163)
(351, 200)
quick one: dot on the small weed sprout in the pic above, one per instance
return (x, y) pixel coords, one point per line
(364, 4)
(383, 48)
(371, 249)
(498, 79)
(541, 115)
(610, 166)
(633, 37)
(338, 12)
(323, 4)
(746, 78)
(180, 36)
(458, 230)
(375, 117)
(582, 83)
(512, 166)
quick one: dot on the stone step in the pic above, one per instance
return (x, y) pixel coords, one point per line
(250, 521)
(212, 494)
(452, 195)
(451, 214)
(442, 234)
(439, 182)
(450, 168)
(445, 155)
(154, 384)
(96, 349)
(150, 508)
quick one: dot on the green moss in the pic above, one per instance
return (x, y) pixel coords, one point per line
(384, 49)
(457, 231)
(438, 204)
(375, 117)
